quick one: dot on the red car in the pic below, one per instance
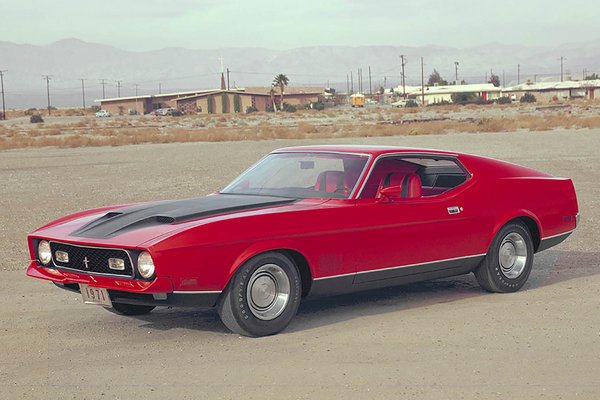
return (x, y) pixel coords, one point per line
(311, 221)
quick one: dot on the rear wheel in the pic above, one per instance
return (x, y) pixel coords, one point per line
(130, 309)
(262, 297)
(508, 262)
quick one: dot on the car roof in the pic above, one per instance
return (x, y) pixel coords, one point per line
(365, 149)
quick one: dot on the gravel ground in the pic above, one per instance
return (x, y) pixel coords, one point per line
(444, 339)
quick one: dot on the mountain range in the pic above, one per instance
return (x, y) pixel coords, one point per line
(179, 69)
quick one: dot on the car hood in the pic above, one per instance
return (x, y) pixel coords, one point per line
(138, 223)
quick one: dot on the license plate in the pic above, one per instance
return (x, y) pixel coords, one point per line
(94, 295)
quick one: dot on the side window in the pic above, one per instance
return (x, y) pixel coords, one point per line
(414, 177)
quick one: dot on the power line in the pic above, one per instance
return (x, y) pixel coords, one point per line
(103, 82)
(2, 88)
(83, 92)
(403, 76)
(47, 78)
(119, 88)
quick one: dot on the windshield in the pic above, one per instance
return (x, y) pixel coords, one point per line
(301, 175)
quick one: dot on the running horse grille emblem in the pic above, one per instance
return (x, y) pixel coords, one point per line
(86, 262)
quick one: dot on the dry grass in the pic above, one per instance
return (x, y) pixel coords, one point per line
(333, 123)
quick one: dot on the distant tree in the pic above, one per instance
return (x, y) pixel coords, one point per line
(592, 77)
(281, 81)
(436, 78)
(494, 80)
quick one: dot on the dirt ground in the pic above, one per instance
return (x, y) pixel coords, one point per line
(444, 339)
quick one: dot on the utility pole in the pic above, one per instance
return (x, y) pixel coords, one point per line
(422, 84)
(518, 74)
(2, 88)
(347, 84)
(103, 82)
(583, 75)
(47, 78)
(503, 80)
(351, 83)
(159, 88)
(83, 92)
(370, 86)
(119, 88)
(456, 72)
(358, 78)
(136, 98)
(227, 78)
(403, 78)
(561, 67)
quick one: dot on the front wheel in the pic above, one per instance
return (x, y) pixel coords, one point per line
(508, 262)
(262, 297)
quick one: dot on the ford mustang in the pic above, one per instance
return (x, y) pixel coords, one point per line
(311, 221)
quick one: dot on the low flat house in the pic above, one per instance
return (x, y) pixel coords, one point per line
(438, 94)
(554, 91)
(215, 101)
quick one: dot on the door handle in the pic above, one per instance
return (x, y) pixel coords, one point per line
(454, 210)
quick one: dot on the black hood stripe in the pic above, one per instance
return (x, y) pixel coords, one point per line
(169, 212)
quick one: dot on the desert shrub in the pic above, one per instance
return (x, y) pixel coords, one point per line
(527, 98)
(95, 108)
(251, 109)
(30, 111)
(176, 113)
(317, 106)
(411, 103)
(465, 98)
(504, 100)
(289, 108)
(36, 119)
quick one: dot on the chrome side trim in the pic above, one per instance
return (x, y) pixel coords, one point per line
(197, 291)
(401, 266)
(560, 234)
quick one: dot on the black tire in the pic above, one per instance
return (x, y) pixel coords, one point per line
(130, 309)
(500, 276)
(242, 315)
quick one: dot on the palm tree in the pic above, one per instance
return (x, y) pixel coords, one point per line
(282, 81)
(272, 96)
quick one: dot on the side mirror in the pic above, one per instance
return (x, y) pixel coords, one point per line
(390, 192)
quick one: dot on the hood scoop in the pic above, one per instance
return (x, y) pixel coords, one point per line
(170, 212)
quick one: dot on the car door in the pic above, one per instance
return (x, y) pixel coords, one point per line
(405, 236)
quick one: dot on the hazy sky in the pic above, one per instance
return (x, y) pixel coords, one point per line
(154, 24)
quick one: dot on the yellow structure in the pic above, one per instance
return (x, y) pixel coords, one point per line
(357, 100)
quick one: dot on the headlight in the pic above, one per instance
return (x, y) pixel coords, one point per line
(145, 265)
(44, 252)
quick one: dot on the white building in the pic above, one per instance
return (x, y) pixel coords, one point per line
(438, 94)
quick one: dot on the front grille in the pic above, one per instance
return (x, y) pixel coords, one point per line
(91, 259)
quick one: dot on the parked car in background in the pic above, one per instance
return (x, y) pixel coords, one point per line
(405, 103)
(102, 114)
(161, 112)
(311, 221)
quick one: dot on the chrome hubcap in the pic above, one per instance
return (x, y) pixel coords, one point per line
(268, 292)
(513, 255)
